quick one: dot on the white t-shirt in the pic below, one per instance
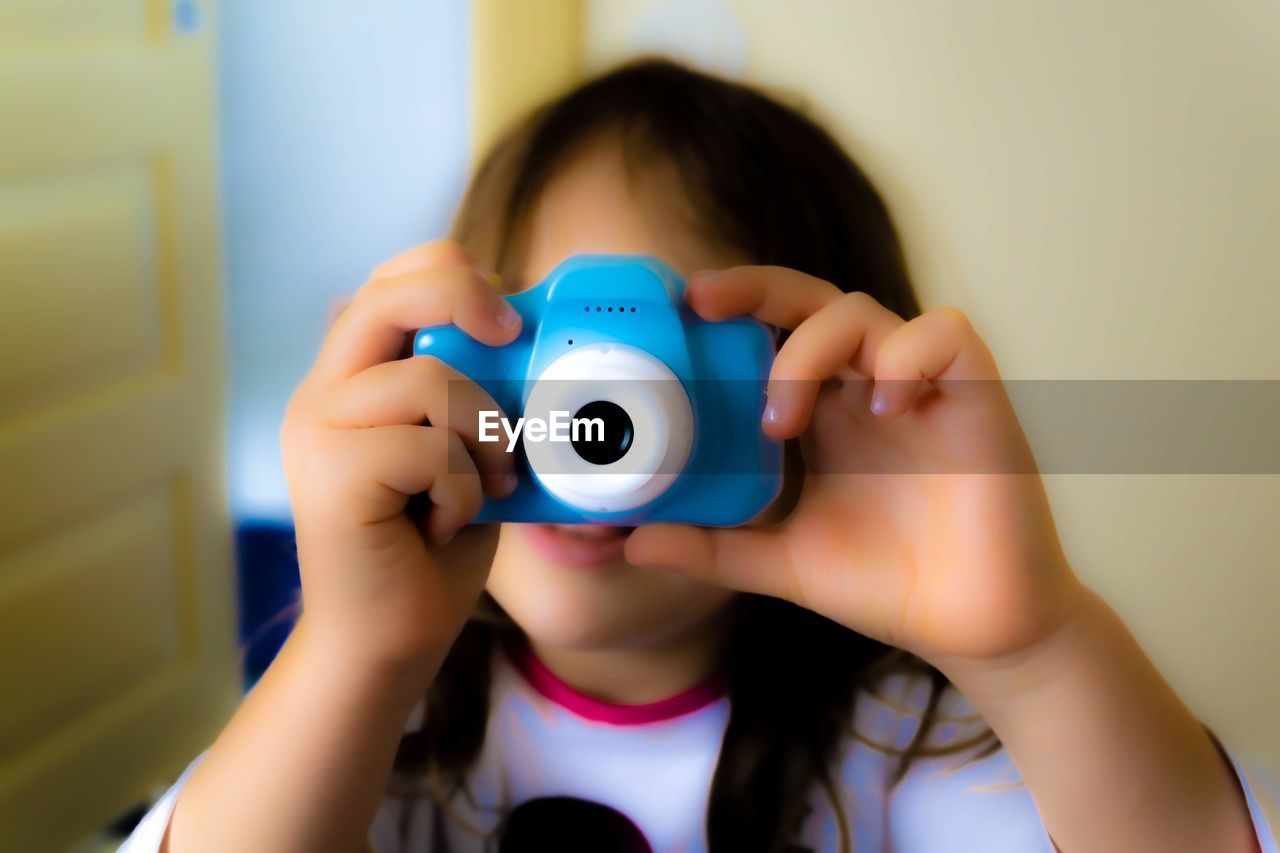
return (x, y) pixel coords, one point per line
(640, 776)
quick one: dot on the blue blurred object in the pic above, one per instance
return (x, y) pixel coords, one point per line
(267, 566)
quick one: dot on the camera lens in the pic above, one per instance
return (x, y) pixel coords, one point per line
(617, 431)
(630, 435)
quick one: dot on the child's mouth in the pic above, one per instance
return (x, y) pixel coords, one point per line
(578, 545)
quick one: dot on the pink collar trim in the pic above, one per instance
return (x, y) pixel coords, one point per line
(552, 687)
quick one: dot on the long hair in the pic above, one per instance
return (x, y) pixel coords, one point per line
(768, 181)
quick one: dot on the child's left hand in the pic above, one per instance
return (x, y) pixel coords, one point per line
(924, 524)
(922, 521)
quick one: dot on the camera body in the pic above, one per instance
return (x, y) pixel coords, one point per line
(669, 403)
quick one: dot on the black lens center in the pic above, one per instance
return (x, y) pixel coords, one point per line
(617, 432)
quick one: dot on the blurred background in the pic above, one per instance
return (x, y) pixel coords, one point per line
(187, 187)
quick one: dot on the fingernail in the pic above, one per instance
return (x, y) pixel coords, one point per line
(878, 402)
(508, 316)
(703, 275)
(488, 275)
(771, 414)
(509, 483)
(443, 538)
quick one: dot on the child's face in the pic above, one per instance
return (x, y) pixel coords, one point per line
(569, 587)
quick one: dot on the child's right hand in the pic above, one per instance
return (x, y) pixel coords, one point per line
(386, 583)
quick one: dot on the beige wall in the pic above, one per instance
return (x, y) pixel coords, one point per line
(1098, 185)
(520, 53)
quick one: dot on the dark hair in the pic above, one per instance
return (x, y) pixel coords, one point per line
(770, 182)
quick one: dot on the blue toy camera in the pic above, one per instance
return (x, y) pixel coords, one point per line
(629, 408)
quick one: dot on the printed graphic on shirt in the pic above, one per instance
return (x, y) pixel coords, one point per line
(570, 825)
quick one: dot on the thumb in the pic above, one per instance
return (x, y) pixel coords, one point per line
(745, 558)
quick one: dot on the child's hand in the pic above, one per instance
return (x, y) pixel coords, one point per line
(384, 581)
(963, 563)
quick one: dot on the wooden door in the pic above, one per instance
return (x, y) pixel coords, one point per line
(117, 630)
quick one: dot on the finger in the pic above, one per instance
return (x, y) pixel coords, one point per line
(401, 461)
(374, 328)
(336, 307)
(748, 559)
(775, 295)
(938, 345)
(423, 389)
(439, 254)
(845, 332)
(455, 495)
(442, 253)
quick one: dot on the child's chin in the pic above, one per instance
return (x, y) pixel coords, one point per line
(611, 606)
(561, 622)
(579, 615)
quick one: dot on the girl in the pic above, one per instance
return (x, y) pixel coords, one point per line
(898, 657)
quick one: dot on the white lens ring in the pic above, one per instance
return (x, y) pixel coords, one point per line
(662, 427)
